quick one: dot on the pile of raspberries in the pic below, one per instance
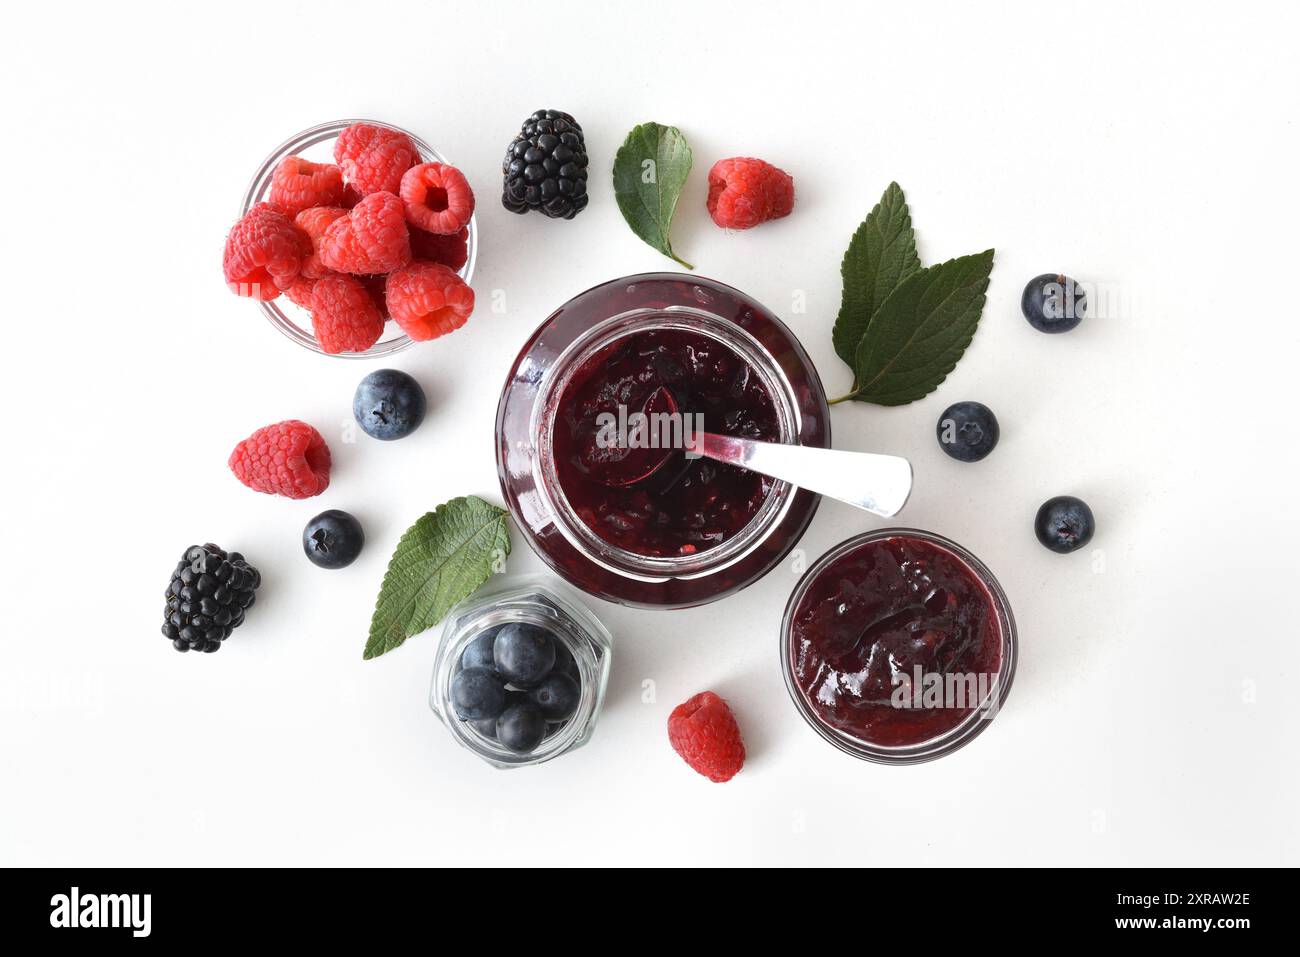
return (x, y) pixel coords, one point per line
(380, 235)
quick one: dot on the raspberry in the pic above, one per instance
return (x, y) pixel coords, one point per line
(375, 287)
(437, 197)
(297, 184)
(428, 300)
(289, 458)
(344, 316)
(704, 732)
(314, 222)
(452, 251)
(299, 291)
(373, 158)
(744, 192)
(263, 251)
(372, 238)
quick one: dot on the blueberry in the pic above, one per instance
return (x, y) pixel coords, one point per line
(333, 539)
(524, 654)
(556, 697)
(478, 653)
(564, 663)
(488, 726)
(1064, 523)
(967, 431)
(521, 727)
(1053, 303)
(477, 693)
(389, 405)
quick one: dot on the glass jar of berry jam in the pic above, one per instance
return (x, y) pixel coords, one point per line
(898, 646)
(692, 530)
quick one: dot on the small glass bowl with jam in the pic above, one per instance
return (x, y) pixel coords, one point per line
(693, 530)
(898, 646)
(481, 643)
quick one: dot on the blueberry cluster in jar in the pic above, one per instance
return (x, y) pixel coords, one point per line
(518, 684)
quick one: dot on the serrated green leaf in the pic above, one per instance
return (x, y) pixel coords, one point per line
(650, 169)
(881, 254)
(920, 331)
(441, 560)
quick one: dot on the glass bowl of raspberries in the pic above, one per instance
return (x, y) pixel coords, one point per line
(356, 238)
(521, 672)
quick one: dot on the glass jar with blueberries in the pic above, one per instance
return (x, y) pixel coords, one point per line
(520, 673)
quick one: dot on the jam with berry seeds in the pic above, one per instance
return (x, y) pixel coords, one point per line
(686, 505)
(657, 528)
(895, 639)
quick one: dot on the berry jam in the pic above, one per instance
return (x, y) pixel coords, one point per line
(874, 614)
(660, 502)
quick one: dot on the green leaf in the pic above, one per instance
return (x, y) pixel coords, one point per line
(920, 331)
(650, 169)
(440, 561)
(881, 254)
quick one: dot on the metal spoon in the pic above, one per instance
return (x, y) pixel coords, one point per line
(867, 480)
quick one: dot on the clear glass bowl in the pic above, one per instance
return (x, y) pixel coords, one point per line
(532, 600)
(317, 144)
(948, 741)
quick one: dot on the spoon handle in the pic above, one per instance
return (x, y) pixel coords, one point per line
(877, 483)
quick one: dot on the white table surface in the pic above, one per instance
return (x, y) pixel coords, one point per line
(1153, 718)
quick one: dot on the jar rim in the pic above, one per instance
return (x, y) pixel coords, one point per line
(600, 336)
(964, 731)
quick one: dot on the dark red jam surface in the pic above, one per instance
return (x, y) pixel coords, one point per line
(877, 612)
(684, 506)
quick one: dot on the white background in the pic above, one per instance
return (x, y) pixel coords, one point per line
(1153, 718)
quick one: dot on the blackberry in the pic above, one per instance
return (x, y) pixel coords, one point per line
(546, 167)
(209, 593)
